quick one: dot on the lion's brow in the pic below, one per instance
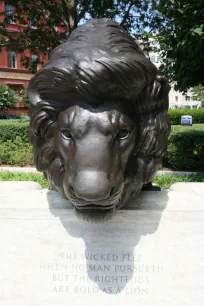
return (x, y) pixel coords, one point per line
(114, 120)
(71, 116)
(80, 126)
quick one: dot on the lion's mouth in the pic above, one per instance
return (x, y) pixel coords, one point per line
(102, 205)
(97, 212)
(94, 213)
(94, 206)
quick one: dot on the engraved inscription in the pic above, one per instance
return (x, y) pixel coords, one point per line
(111, 273)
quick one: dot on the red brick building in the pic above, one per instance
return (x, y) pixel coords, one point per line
(12, 71)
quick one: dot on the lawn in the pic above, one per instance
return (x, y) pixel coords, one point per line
(19, 176)
(164, 181)
(181, 128)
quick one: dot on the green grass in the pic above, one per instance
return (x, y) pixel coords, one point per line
(164, 181)
(181, 128)
(19, 176)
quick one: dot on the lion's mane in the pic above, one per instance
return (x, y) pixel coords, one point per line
(100, 62)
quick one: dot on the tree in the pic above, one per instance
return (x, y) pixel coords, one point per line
(24, 97)
(49, 23)
(180, 33)
(198, 94)
(177, 26)
(8, 97)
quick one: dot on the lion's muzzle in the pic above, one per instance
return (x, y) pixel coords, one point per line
(93, 189)
(92, 186)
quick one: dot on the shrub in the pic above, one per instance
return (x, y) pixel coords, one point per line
(24, 97)
(8, 97)
(14, 146)
(198, 93)
(175, 115)
(10, 129)
(15, 152)
(185, 148)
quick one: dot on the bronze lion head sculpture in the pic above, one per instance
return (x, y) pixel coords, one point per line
(99, 124)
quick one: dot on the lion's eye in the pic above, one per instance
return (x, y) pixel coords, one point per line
(123, 134)
(66, 134)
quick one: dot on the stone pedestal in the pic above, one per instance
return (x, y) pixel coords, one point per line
(150, 254)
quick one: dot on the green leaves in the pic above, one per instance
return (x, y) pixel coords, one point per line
(14, 146)
(175, 115)
(181, 37)
(15, 152)
(8, 97)
(10, 129)
(49, 23)
(198, 31)
(177, 26)
(180, 10)
(198, 94)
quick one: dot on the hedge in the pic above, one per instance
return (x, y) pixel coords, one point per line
(14, 146)
(185, 146)
(175, 115)
(16, 152)
(10, 129)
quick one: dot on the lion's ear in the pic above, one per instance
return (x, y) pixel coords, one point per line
(160, 91)
(40, 86)
(33, 94)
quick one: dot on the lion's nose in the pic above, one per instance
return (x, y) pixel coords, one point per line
(92, 186)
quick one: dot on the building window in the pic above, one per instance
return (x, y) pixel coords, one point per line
(156, 59)
(176, 98)
(32, 21)
(188, 98)
(12, 59)
(34, 62)
(34, 58)
(9, 13)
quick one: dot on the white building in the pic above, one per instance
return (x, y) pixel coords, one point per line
(179, 100)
